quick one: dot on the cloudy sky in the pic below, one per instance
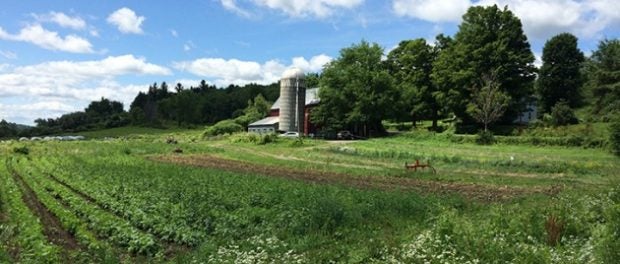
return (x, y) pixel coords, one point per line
(57, 56)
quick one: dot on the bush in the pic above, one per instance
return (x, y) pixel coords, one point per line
(614, 137)
(562, 114)
(258, 139)
(223, 127)
(21, 150)
(485, 138)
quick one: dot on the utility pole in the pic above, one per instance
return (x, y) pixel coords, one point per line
(297, 106)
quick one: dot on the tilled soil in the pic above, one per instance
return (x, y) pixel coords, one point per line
(52, 228)
(473, 191)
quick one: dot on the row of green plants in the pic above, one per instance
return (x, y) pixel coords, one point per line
(568, 141)
(103, 223)
(22, 232)
(124, 203)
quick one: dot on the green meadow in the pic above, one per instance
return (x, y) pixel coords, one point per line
(237, 199)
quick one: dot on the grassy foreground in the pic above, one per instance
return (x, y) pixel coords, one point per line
(228, 200)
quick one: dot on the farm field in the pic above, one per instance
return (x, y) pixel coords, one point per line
(226, 200)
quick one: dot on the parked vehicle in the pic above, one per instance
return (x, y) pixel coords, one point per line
(290, 135)
(345, 134)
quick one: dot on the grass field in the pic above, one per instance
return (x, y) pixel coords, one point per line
(136, 199)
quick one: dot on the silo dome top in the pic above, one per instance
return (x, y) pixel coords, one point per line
(293, 73)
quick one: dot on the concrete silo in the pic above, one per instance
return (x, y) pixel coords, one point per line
(293, 101)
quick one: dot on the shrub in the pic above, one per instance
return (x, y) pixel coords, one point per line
(21, 150)
(562, 114)
(485, 138)
(223, 127)
(258, 139)
(614, 137)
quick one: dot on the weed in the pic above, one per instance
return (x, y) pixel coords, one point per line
(554, 228)
(21, 150)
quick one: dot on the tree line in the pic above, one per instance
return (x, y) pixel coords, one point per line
(160, 107)
(484, 74)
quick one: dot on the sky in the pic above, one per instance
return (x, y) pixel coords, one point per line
(57, 56)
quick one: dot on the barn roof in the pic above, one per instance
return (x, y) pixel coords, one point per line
(270, 120)
(312, 97)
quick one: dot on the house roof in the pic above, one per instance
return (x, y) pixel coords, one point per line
(270, 120)
(312, 97)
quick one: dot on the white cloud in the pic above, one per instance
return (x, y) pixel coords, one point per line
(541, 19)
(69, 79)
(126, 21)
(296, 8)
(233, 71)
(8, 54)
(26, 113)
(231, 5)
(315, 64)
(174, 33)
(62, 20)
(429, 10)
(41, 37)
(73, 83)
(538, 59)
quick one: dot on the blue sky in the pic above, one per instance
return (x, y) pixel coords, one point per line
(57, 56)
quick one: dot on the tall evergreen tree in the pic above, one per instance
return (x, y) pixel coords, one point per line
(559, 77)
(489, 40)
(603, 73)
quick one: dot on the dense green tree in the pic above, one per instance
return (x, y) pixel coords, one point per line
(179, 87)
(411, 65)
(104, 108)
(562, 114)
(312, 79)
(603, 74)
(357, 92)
(256, 110)
(489, 40)
(7, 129)
(559, 78)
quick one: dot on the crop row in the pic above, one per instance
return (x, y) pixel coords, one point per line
(143, 209)
(106, 225)
(33, 246)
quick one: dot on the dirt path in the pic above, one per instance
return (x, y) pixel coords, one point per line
(473, 191)
(52, 227)
(293, 158)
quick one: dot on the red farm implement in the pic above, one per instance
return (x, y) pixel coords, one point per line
(417, 164)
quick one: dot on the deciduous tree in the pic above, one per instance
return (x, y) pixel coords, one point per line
(357, 92)
(489, 40)
(411, 64)
(488, 103)
(559, 78)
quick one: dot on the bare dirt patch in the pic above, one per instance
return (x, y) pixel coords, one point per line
(52, 228)
(473, 191)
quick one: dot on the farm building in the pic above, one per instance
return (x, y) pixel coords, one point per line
(287, 114)
(270, 124)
